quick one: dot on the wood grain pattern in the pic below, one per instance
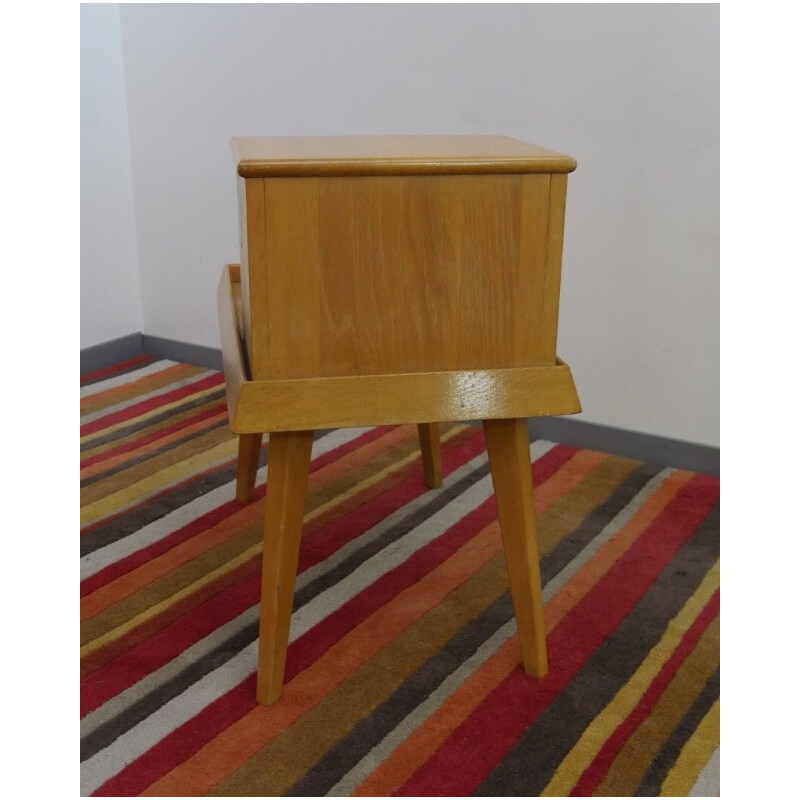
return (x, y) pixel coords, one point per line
(551, 290)
(287, 479)
(313, 403)
(406, 398)
(304, 156)
(365, 276)
(252, 246)
(510, 462)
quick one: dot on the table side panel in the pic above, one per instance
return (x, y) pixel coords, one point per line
(357, 400)
(252, 247)
(374, 275)
(555, 248)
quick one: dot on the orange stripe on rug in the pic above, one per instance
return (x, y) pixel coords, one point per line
(359, 456)
(160, 566)
(426, 739)
(242, 740)
(223, 755)
(96, 402)
(115, 461)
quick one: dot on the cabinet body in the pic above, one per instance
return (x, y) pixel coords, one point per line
(374, 267)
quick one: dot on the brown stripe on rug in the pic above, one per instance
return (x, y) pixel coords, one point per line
(134, 390)
(399, 650)
(128, 430)
(531, 763)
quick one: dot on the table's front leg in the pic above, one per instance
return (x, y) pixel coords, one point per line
(510, 461)
(288, 461)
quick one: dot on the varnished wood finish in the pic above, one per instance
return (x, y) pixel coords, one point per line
(547, 328)
(287, 479)
(407, 398)
(373, 275)
(252, 245)
(304, 156)
(431, 447)
(509, 458)
(313, 403)
(247, 465)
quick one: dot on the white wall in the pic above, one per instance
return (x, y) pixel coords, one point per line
(630, 90)
(111, 301)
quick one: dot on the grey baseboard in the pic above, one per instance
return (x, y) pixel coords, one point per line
(104, 355)
(632, 444)
(139, 344)
(181, 351)
(642, 446)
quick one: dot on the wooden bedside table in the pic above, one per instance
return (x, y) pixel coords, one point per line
(389, 280)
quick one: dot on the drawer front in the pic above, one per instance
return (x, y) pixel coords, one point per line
(400, 274)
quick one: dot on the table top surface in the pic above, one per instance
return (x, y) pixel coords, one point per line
(266, 156)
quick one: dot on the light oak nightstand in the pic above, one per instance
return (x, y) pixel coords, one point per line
(388, 280)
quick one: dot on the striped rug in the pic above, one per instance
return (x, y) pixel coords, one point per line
(403, 674)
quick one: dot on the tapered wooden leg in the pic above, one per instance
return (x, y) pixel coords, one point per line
(510, 462)
(287, 480)
(247, 465)
(431, 453)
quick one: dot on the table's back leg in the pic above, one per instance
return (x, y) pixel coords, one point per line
(510, 461)
(287, 479)
(431, 447)
(247, 465)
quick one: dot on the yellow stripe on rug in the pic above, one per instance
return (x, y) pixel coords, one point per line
(244, 557)
(605, 723)
(158, 480)
(148, 414)
(695, 755)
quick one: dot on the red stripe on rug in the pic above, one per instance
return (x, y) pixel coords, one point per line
(142, 385)
(93, 662)
(207, 520)
(154, 402)
(161, 433)
(498, 722)
(348, 447)
(307, 648)
(304, 651)
(125, 461)
(183, 743)
(122, 366)
(593, 775)
(143, 657)
(150, 499)
(322, 543)
(188, 739)
(452, 457)
(167, 490)
(150, 655)
(140, 557)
